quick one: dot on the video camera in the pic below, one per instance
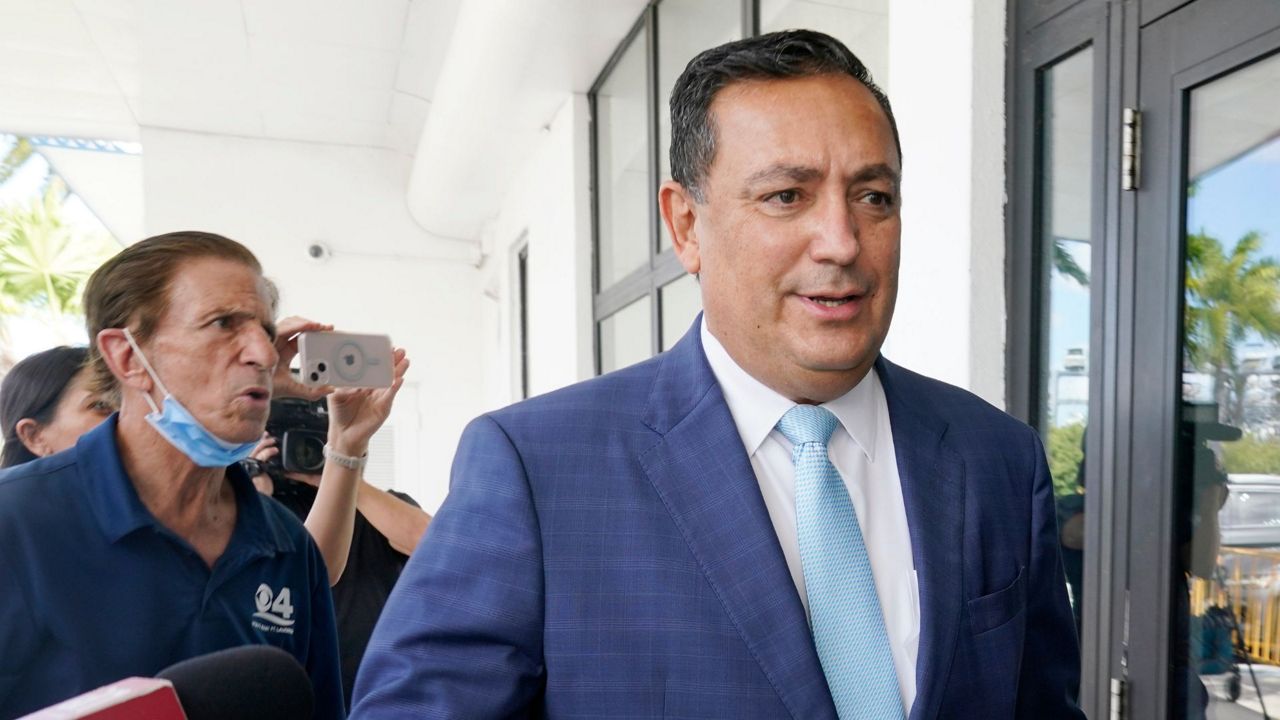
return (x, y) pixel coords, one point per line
(301, 428)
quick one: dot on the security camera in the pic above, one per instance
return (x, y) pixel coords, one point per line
(319, 252)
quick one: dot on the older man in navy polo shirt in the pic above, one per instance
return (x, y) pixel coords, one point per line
(146, 544)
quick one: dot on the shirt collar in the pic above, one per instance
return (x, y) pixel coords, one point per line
(119, 510)
(115, 503)
(757, 408)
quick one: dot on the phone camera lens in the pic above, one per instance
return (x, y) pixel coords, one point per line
(320, 367)
(315, 377)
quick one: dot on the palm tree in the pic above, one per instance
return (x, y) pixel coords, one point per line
(43, 261)
(1066, 264)
(1229, 296)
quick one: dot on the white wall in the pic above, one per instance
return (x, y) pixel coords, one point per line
(277, 197)
(988, 200)
(549, 205)
(946, 83)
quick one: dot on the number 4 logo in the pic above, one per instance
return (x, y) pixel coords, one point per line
(277, 609)
(282, 606)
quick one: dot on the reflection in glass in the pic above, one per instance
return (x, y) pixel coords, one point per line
(686, 28)
(1227, 607)
(622, 155)
(681, 303)
(624, 336)
(1064, 192)
(862, 25)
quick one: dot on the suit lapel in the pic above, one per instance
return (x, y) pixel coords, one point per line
(932, 479)
(704, 477)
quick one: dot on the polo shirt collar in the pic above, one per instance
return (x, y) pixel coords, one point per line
(119, 511)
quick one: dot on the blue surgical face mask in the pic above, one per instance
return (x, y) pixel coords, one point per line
(177, 425)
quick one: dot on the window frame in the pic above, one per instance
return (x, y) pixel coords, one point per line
(663, 267)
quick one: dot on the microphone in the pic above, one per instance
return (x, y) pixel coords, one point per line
(133, 698)
(251, 682)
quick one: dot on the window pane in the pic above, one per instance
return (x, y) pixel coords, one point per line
(1064, 193)
(623, 171)
(863, 25)
(1227, 525)
(681, 302)
(686, 28)
(625, 336)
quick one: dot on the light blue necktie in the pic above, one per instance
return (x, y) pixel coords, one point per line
(844, 610)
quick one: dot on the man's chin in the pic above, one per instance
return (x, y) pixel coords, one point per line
(842, 352)
(247, 429)
(837, 360)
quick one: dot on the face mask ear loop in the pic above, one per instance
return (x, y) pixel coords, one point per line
(150, 371)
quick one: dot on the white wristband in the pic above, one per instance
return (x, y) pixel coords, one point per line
(346, 461)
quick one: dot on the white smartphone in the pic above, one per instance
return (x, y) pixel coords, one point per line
(345, 359)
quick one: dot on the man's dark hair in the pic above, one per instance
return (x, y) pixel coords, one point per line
(32, 390)
(775, 56)
(132, 289)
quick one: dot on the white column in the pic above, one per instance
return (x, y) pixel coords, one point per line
(946, 83)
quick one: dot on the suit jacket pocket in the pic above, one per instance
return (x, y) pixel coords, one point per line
(991, 611)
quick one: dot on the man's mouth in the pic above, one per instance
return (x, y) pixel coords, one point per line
(832, 301)
(257, 393)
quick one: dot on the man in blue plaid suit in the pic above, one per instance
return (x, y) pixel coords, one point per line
(770, 520)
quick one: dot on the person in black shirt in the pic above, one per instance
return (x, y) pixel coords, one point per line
(386, 528)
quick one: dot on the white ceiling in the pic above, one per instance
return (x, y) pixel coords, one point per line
(109, 183)
(358, 72)
(491, 73)
(512, 66)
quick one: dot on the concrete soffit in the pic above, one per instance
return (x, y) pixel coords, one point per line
(509, 66)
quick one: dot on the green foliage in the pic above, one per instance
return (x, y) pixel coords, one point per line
(1251, 455)
(1066, 265)
(1065, 448)
(44, 262)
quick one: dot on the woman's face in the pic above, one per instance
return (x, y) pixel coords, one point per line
(79, 411)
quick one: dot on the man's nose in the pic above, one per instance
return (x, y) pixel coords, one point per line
(260, 350)
(835, 234)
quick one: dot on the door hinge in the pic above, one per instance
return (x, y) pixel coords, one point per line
(1131, 149)
(1118, 688)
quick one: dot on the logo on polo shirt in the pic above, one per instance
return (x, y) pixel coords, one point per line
(275, 609)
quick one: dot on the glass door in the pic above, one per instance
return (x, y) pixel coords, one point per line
(1058, 255)
(1205, 568)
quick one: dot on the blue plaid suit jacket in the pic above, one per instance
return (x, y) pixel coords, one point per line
(605, 551)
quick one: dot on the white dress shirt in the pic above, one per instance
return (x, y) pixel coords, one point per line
(863, 454)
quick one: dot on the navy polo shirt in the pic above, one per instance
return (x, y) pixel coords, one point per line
(93, 589)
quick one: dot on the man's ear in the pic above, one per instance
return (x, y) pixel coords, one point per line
(679, 212)
(122, 360)
(29, 433)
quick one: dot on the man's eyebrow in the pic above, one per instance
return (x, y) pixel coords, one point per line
(239, 314)
(220, 311)
(879, 171)
(792, 173)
